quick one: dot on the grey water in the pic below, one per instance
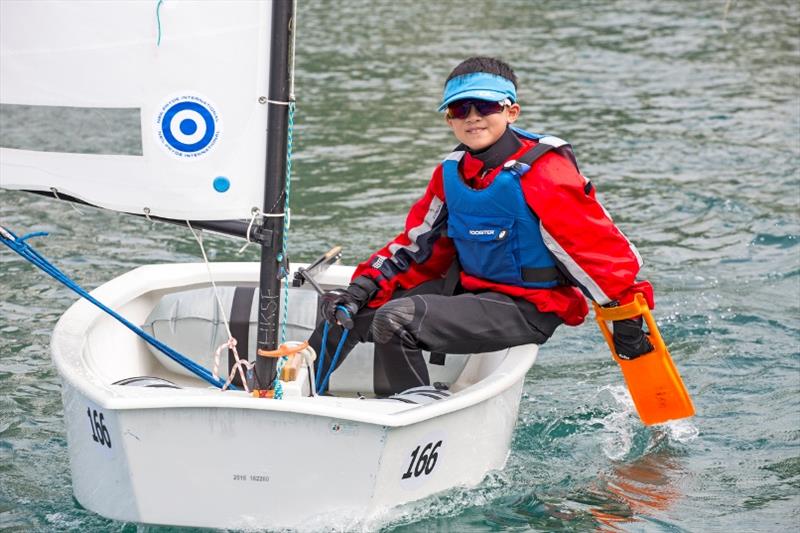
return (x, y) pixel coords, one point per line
(685, 115)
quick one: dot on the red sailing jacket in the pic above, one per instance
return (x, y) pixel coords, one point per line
(584, 240)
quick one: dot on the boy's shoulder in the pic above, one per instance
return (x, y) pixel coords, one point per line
(546, 138)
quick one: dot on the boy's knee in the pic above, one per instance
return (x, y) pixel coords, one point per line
(391, 319)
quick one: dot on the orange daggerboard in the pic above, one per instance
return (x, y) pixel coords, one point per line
(653, 381)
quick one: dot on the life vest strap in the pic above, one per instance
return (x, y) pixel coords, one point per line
(524, 162)
(540, 275)
(535, 153)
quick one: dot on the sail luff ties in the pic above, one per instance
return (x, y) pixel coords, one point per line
(256, 212)
(72, 205)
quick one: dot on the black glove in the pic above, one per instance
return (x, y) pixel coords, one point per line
(630, 340)
(355, 297)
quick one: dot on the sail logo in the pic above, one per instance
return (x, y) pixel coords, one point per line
(188, 126)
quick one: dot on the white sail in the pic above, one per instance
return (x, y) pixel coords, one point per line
(152, 107)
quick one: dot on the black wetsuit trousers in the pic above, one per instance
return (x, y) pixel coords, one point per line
(423, 319)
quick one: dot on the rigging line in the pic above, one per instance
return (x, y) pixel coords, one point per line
(321, 386)
(321, 359)
(72, 205)
(211, 278)
(278, 387)
(231, 342)
(271, 214)
(26, 251)
(158, 21)
(285, 243)
(256, 211)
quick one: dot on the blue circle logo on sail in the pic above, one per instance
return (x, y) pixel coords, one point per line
(188, 126)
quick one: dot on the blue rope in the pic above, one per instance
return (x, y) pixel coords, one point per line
(18, 245)
(277, 386)
(320, 363)
(345, 332)
(285, 243)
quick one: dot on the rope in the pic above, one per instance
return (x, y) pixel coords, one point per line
(220, 307)
(256, 211)
(345, 332)
(231, 342)
(241, 365)
(285, 243)
(71, 204)
(318, 377)
(18, 245)
(277, 386)
(158, 21)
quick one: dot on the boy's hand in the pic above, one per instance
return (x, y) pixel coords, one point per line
(630, 340)
(354, 298)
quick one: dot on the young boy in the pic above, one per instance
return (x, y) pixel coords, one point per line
(498, 252)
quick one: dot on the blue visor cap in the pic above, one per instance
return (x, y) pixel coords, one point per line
(479, 86)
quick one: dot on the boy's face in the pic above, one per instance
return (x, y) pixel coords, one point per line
(481, 131)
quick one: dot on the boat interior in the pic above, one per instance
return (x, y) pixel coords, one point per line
(191, 322)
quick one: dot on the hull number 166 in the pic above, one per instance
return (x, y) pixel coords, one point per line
(99, 430)
(423, 462)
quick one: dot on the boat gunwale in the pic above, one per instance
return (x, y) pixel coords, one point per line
(70, 337)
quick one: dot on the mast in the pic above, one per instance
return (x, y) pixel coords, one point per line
(280, 92)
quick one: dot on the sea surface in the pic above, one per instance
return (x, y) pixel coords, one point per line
(685, 115)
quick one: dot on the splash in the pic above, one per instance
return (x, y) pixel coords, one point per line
(681, 431)
(619, 426)
(624, 433)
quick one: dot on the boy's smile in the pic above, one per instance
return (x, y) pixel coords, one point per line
(481, 131)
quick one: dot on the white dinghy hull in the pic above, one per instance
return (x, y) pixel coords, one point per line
(196, 456)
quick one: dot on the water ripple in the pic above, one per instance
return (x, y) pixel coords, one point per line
(684, 115)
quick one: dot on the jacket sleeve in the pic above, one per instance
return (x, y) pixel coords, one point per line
(580, 233)
(420, 253)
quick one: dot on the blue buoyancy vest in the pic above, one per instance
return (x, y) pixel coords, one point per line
(497, 236)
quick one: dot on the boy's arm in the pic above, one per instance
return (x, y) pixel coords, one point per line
(579, 232)
(420, 253)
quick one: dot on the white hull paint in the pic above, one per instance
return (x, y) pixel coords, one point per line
(200, 457)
